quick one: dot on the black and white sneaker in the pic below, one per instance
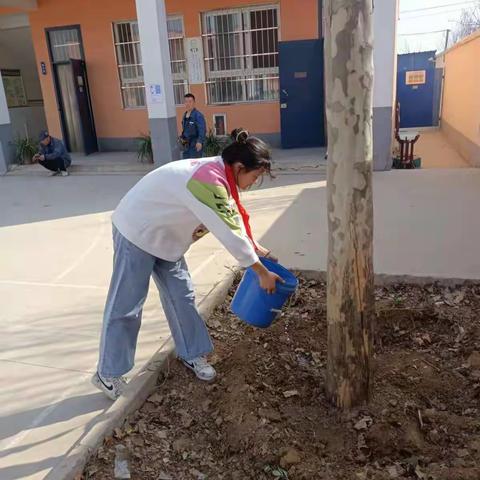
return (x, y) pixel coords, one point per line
(202, 369)
(112, 387)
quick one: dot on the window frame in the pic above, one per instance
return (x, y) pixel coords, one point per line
(224, 115)
(249, 73)
(176, 78)
(119, 76)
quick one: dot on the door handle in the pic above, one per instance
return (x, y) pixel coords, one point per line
(284, 92)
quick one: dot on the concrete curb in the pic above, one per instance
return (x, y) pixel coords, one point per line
(138, 390)
(384, 279)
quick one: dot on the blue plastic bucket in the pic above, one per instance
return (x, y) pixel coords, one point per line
(255, 306)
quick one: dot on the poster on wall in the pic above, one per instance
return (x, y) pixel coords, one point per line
(416, 77)
(14, 89)
(156, 93)
(194, 55)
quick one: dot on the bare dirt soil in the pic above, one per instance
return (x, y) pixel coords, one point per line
(266, 415)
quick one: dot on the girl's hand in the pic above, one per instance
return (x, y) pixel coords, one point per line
(263, 252)
(268, 281)
(266, 278)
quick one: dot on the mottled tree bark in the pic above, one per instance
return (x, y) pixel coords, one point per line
(350, 297)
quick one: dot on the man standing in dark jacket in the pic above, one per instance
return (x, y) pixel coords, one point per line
(53, 155)
(193, 129)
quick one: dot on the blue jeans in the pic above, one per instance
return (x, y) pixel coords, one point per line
(132, 268)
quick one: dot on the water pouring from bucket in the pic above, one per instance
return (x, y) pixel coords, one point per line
(254, 305)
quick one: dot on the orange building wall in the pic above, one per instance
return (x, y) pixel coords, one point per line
(461, 98)
(298, 21)
(95, 19)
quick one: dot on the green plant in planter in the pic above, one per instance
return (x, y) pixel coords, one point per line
(213, 145)
(25, 149)
(144, 148)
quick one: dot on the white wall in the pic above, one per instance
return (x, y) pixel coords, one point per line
(16, 52)
(384, 53)
(28, 121)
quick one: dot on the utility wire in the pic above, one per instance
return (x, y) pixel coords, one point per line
(438, 6)
(421, 33)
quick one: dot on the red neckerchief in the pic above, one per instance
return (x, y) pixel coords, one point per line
(241, 209)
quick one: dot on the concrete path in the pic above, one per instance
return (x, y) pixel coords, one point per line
(426, 223)
(436, 151)
(55, 265)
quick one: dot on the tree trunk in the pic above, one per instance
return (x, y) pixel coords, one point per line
(350, 296)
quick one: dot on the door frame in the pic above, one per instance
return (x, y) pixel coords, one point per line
(56, 82)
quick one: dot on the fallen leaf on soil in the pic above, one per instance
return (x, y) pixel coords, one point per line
(463, 452)
(155, 398)
(363, 423)
(395, 471)
(290, 393)
(198, 475)
(181, 444)
(162, 434)
(290, 457)
(138, 441)
(475, 445)
(418, 472)
(461, 334)
(164, 476)
(474, 360)
(270, 414)
(361, 442)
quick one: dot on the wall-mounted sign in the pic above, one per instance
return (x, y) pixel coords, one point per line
(156, 93)
(300, 75)
(14, 89)
(416, 77)
(194, 55)
(43, 67)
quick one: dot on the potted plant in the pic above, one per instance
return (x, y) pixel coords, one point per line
(144, 148)
(25, 149)
(213, 145)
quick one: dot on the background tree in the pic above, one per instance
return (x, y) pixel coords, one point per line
(468, 23)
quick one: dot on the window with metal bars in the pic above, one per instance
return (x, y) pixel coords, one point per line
(241, 54)
(178, 61)
(130, 67)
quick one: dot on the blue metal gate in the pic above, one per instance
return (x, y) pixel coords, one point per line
(417, 89)
(302, 107)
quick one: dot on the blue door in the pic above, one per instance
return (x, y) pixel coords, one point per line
(417, 97)
(302, 107)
